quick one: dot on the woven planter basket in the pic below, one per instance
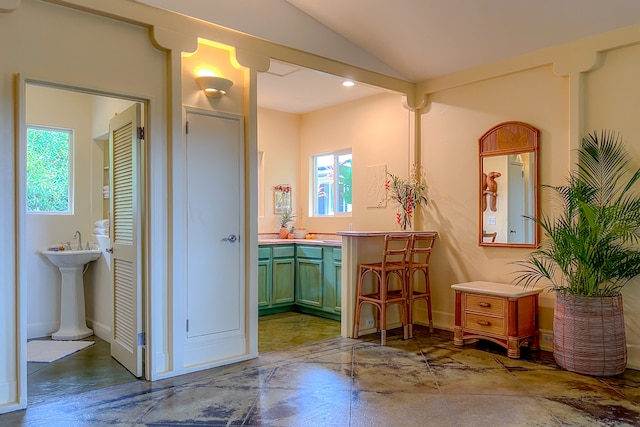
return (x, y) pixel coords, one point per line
(588, 334)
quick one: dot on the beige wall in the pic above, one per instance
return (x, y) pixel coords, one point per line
(454, 121)
(377, 129)
(279, 141)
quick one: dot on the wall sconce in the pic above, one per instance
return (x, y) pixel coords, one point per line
(214, 87)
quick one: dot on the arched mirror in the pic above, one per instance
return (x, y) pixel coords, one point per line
(508, 186)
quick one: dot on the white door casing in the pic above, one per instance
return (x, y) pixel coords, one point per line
(215, 285)
(125, 145)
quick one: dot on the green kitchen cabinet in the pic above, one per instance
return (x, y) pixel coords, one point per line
(318, 281)
(264, 277)
(276, 278)
(309, 272)
(305, 278)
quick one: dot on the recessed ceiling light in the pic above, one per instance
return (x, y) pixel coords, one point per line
(348, 83)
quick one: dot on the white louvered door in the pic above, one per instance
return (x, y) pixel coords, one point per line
(124, 231)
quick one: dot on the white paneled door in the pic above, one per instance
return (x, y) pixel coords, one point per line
(125, 140)
(215, 326)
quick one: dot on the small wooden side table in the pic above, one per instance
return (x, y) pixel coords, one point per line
(499, 312)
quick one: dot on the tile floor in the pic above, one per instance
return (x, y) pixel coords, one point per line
(345, 382)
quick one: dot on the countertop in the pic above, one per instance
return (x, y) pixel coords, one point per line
(311, 242)
(352, 233)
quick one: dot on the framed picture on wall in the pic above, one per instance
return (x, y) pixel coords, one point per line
(281, 198)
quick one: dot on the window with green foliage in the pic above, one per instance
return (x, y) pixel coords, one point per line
(49, 169)
(332, 193)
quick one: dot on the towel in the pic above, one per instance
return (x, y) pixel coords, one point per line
(100, 231)
(102, 223)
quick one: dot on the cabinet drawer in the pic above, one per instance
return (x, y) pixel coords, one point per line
(310, 252)
(264, 253)
(283, 251)
(484, 324)
(484, 304)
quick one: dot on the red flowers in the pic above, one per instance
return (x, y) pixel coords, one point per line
(408, 193)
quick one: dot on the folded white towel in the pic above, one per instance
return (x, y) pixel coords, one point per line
(102, 223)
(101, 231)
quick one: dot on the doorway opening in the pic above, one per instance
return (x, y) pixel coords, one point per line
(286, 95)
(87, 216)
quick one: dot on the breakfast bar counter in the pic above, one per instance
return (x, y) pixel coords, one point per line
(360, 247)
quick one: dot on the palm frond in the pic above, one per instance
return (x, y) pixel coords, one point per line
(591, 246)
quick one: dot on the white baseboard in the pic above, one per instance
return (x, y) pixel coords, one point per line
(100, 330)
(39, 330)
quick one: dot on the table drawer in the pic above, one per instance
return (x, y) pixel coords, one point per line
(485, 324)
(484, 304)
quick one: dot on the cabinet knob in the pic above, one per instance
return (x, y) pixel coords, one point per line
(483, 323)
(484, 304)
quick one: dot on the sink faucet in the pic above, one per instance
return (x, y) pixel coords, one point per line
(78, 236)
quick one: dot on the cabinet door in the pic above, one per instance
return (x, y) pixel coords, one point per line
(309, 282)
(283, 281)
(264, 282)
(337, 271)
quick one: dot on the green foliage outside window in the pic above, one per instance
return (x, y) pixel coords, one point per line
(48, 170)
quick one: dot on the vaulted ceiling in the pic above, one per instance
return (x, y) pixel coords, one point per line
(414, 39)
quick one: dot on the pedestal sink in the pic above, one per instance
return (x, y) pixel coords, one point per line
(73, 324)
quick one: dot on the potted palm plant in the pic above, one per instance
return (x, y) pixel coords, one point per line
(590, 251)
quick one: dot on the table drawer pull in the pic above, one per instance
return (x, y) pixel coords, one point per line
(484, 304)
(483, 323)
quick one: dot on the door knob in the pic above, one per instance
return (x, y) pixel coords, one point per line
(231, 239)
(109, 250)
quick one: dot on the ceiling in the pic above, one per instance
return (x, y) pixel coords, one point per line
(410, 39)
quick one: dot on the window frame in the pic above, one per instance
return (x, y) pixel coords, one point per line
(313, 199)
(71, 142)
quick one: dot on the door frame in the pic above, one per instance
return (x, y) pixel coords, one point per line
(21, 82)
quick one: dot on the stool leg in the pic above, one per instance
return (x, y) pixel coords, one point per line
(428, 290)
(356, 320)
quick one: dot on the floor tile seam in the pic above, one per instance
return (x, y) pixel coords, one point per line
(412, 392)
(617, 391)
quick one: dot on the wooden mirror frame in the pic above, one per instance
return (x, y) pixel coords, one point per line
(507, 138)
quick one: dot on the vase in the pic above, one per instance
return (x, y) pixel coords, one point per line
(403, 218)
(588, 334)
(284, 232)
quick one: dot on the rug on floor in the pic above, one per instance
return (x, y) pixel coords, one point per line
(49, 350)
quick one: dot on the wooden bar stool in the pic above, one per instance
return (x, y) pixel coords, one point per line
(418, 261)
(394, 263)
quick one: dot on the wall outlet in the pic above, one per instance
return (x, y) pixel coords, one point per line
(369, 322)
(546, 340)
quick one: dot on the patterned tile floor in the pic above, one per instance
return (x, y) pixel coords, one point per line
(423, 381)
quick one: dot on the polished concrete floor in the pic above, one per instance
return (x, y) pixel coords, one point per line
(423, 381)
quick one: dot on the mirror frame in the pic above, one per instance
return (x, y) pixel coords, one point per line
(503, 139)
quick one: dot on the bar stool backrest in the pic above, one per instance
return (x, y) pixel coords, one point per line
(420, 251)
(396, 250)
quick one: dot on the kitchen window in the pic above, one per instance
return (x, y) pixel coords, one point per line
(49, 170)
(332, 189)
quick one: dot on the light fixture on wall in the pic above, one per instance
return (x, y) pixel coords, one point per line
(214, 87)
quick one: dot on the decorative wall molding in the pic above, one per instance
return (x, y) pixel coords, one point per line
(163, 38)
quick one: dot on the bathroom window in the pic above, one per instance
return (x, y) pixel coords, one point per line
(332, 190)
(49, 170)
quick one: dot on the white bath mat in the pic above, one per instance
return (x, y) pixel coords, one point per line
(48, 351)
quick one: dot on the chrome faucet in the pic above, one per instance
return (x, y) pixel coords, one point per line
(78, 235)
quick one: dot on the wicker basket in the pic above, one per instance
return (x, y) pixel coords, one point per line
(588, 334)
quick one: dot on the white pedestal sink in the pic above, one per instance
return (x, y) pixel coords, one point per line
(73, 324)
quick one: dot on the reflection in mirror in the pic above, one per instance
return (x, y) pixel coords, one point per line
(508, 185)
